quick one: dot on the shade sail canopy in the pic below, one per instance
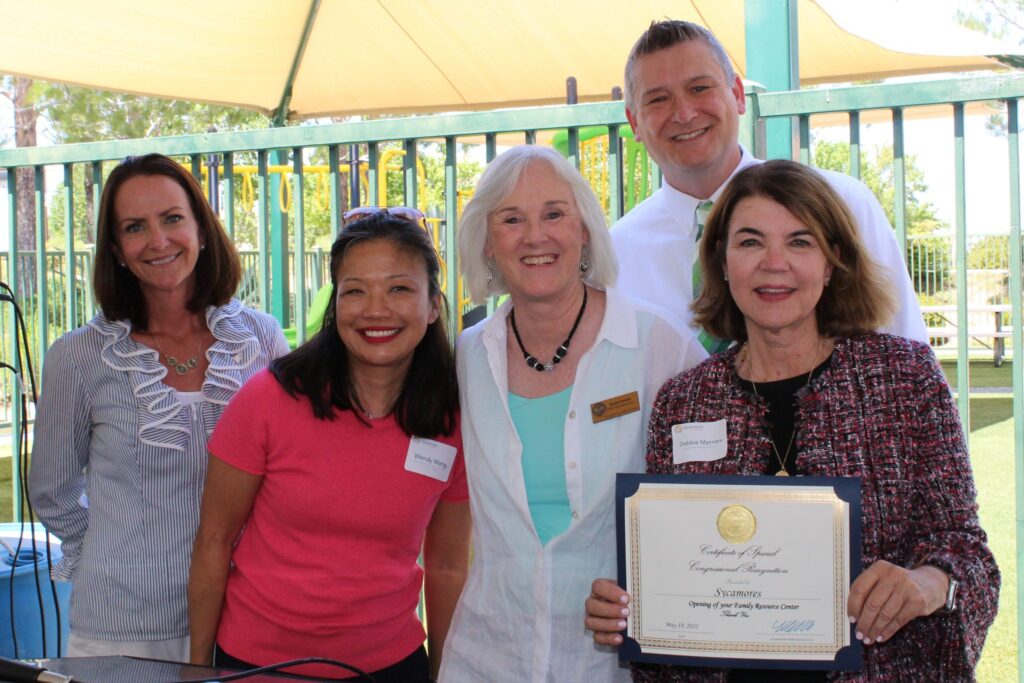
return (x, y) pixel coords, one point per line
(338, 57)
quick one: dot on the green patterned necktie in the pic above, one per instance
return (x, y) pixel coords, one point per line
(700, 216)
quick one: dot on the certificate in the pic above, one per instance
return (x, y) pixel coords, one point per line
(739, 571)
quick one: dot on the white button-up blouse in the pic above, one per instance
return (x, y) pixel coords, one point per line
(520, 617)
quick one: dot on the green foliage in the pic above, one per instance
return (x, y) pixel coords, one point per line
(878, 173)
(56, 223)
(1002, 19)
(929, 257)
(83, 115)
(989, 252)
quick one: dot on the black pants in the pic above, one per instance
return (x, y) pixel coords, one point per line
(413, 669)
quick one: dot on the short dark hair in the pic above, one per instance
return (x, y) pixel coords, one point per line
(319, 369)
(218, 269)
(661, 35)
(857, 299)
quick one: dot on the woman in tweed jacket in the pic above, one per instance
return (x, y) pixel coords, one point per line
(810, 390)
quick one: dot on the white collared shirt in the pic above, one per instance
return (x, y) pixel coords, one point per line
(655, 246)
(520, 617)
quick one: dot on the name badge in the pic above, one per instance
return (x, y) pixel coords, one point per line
(615, 407)
(699, 441)
(430, 458)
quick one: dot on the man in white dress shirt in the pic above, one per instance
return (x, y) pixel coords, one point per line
(683, 101)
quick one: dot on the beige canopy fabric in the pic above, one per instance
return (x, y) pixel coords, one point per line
(396, 56)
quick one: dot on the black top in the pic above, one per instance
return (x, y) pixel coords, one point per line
(779, 396)
(782, 413)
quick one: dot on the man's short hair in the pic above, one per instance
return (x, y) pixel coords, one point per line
(661, 35)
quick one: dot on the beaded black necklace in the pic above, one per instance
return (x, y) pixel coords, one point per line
(560, 352)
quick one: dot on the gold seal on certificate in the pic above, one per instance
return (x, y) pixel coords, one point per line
(739, 571)
(737, 524)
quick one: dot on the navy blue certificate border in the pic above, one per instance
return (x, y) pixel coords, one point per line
(849, 658)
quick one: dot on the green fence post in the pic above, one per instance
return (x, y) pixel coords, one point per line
(752, 131)
(963, 385)
(410, 174)
(1017, 310)
(12, 340)
(451, 211)
(229, 194)
(279, 275)
(262, 223)
(899, 180)
(334, 181)
(298, 192)
(773, 60)
(42, 295)
(614, 174)
(70, 270)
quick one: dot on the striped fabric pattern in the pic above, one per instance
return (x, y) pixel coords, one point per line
(109, 428)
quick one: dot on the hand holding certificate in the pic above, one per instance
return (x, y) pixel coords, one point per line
(739, 571)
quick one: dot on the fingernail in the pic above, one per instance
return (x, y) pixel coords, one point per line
(625, 611)
(623, 599)
(867, 641)
(853, 619)
(618, 640)
(860, 636)
(621, 624)
(878, 639)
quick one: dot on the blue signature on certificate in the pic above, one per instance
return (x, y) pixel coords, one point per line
(793, 625)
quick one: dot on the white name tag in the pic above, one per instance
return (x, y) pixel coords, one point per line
(699, 441)
(430, 458)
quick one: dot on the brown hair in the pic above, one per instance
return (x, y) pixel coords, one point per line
(218, 269)
(661, 35)
(857, 298)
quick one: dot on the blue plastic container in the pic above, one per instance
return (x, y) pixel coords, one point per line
(28, 627)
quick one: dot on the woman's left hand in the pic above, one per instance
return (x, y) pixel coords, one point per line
(885, 597)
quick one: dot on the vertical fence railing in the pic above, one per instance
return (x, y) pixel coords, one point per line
(1016, 263)
(55, 310)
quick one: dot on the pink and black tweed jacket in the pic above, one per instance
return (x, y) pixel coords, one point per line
(882, 412)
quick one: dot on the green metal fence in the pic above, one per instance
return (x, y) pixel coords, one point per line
(966, 298)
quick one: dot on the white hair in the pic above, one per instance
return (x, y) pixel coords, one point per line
(496, 184)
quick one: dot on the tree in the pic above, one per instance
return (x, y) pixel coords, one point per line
(20, 92)
(1003, 19)
(82, 115)
(928, 255)
(1000, 18)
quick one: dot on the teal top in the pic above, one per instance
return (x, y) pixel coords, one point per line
(540, 423)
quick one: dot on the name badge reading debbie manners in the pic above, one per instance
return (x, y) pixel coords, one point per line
(699, 441)
(615, 407)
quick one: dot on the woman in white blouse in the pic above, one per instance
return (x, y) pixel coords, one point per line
(128, 402)
(556, 389)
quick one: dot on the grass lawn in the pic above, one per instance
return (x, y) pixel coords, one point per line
(982, 372)
(992, 460)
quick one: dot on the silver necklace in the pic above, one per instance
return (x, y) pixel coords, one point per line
(171, 361)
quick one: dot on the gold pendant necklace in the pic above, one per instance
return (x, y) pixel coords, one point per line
(745, 352)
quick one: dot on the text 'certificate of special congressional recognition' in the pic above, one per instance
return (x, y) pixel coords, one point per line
(739, 571)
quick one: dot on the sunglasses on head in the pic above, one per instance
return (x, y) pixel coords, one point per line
(405, 213)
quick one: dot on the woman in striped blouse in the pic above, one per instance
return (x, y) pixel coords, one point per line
(128, 403)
